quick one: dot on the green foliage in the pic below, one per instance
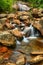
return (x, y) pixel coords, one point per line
(35, 3)
(6, 5)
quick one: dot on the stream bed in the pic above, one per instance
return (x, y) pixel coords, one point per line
(12, 55)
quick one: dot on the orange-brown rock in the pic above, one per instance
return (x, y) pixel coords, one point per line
(35, 13)
(1, 27)
(17, 21)
(10, 16)
(37, 19)
(7, 20)
(40, 12)
(39, 26)
(35, 10)
(36, 59)
(17, 33)
(10, 63)
(15, 16)
(27, 22)
(21, 60)
(3, 15)
(19, 13)
(37, 52)
(3, 49)
(40, 42)
(24, 17)
(7, 39)
(2, 23)
(7, 54)
(9, 26)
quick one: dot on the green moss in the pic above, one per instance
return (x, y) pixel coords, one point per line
(35, 3)
(6, 5)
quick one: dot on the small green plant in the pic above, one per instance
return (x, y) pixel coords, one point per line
(6, 5)
(35, 3)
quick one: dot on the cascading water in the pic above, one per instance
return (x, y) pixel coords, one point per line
(23, 7)
(32, 31)
(18, 42)
(25, 39)
(32, 36)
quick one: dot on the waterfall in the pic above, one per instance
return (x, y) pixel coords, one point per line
(26, 29)
(32, 31)
(25, 39)
(32, 36)
(23, 7)
(18, 42)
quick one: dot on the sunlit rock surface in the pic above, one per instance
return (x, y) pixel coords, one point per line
(2, 23)
(7, 39)
(3, 15)
(39, 26)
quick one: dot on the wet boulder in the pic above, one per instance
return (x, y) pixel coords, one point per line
(17, 21)
(27, 22)
(40, 42)
(18, 34)
(5, 56)
(36, 59)
(9, 26)
(24, 17)
(19, 13)
(3, 15)
(21, 60)
(39, 26)
(41, 12)
(7, 39)
(3, 49)
(18, 58)
(2, 23)
(10, 16)
(35, 13)
(10, 63)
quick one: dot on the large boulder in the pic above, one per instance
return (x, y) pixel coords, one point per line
(10, 16)
(21, 60)
(9, 26)
(24, 17)
(40, 41)
(17, 33)
(7, 39)
(37, 13)
(2, 22)
(10, 63)
(3, 15)
(18, 58)
(22, 13)
(17, 21)
(38, 19)
(39, 26)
